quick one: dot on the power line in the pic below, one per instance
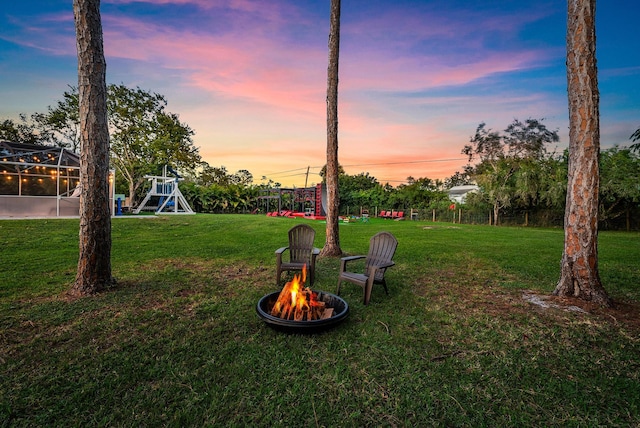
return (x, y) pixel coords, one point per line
(289, 170)
(290, 175)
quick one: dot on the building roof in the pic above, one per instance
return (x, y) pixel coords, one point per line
(462, 190)
(33, 154)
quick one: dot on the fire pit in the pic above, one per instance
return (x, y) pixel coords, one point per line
(340, 312)
(300, 309)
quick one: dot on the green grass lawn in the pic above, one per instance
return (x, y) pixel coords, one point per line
(178, 341)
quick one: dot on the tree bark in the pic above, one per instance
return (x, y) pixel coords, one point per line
(332, 244)
(94, 261)
(579, 276)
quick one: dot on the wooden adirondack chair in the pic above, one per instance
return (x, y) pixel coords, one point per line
(382, 247)
(301, 252)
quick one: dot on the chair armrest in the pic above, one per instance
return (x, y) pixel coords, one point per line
(345, 260)
(279, 252)
(314, 255)
(374, 268)
(349, 258)
(383, 265)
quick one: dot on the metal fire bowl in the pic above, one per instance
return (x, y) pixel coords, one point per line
(340, 312)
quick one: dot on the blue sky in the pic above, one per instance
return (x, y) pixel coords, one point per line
(416, 77)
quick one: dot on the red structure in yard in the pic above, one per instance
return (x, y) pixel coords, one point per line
(307, 202)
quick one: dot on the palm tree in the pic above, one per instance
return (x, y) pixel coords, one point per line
(332, 244)
(94, 261)
(579, 276)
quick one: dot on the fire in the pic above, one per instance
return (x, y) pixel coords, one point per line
(299, 303)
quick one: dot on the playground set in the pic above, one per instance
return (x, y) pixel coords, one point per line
(164, 196)
(311, 202)
(307, 202)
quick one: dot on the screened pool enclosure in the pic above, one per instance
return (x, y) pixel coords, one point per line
(39, 181)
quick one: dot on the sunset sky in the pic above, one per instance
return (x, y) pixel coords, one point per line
(249, 76)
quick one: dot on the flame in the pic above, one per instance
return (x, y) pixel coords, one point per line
(313, 301)
(296, 286)
(298, 302)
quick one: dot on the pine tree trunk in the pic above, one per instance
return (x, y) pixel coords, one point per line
(94, 262)
(579, 275)
(332, 245)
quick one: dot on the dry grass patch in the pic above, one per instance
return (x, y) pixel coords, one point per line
(470, 294)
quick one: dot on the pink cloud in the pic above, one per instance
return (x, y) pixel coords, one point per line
(250, 67)
(416, 73)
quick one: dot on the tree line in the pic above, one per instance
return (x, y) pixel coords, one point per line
(516, 169)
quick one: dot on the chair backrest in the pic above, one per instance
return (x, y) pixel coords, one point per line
(382, 247)
(301, 239)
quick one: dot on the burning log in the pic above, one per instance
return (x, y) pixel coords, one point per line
(299, 304)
